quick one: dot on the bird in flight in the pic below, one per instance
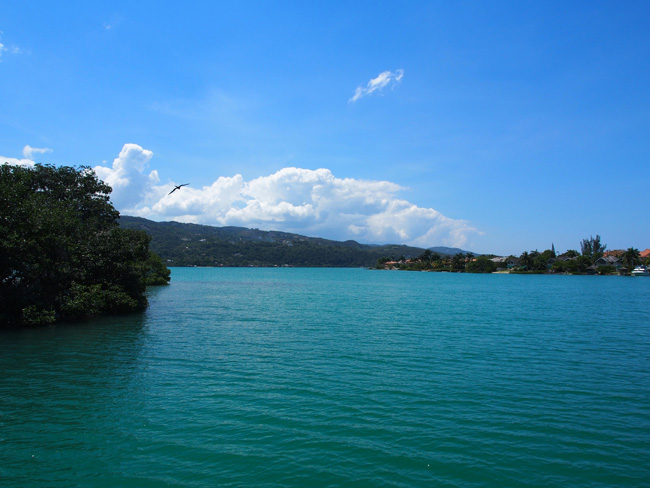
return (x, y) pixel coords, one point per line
(177, 187)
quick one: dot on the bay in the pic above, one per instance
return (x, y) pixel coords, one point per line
(279, 377)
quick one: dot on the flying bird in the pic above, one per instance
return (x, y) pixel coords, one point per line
(177, 187)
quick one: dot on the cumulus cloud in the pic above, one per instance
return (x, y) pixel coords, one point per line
(128, 178)
(378, 84)
(16, 161)
(29, 151)
(304, 201)
(28, 156)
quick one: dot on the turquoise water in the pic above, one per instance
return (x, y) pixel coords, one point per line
(338, 377)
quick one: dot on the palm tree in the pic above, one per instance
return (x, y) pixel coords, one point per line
(458, 261)
(426, 255)
(631, 257)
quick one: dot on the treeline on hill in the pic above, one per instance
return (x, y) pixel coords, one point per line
(202, 245)
(63, 255)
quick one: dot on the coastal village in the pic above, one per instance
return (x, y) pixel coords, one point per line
(593, 260)
(609, 263)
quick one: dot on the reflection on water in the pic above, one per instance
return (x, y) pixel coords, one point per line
(63, 389)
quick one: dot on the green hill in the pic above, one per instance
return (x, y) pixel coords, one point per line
(203, 245)
(449, 251)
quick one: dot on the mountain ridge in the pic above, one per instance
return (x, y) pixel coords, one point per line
(181, 244)
(450, 251)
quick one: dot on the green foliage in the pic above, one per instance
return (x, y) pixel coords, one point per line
(539, 263)
(156, 273)
(592, 248)
(35, 315)
(631, 258)
(82, 301)
(559, 267)
(62, 254)
(570, 266)
(583, 263)
(605, 270)
(426, 255)
(483, 264)
(548, 254)
(458, 262)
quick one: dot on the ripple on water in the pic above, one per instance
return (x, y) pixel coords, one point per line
(289, 377)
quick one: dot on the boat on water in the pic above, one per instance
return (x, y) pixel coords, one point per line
(641, 271)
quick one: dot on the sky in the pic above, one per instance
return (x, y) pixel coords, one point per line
(496, 127)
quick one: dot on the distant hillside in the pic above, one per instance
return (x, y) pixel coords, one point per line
(449, 251)
(203, 245)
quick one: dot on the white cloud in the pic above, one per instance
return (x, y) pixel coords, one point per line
(309, 202)
(112, 23)
(11, 49)
(378, 84)
(16, 161)
(29, 151)
(127, 177)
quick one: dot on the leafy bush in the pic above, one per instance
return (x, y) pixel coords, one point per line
(483, 264)
(604, 270)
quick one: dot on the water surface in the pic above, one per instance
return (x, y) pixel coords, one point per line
(338, 377)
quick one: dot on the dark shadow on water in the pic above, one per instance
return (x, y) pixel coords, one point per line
(104, 350)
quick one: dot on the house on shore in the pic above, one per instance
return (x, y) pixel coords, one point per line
(616, 253)
(610, 260)
(505, 261)
(561, 258)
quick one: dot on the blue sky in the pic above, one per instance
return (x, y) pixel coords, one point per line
(495, 126)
